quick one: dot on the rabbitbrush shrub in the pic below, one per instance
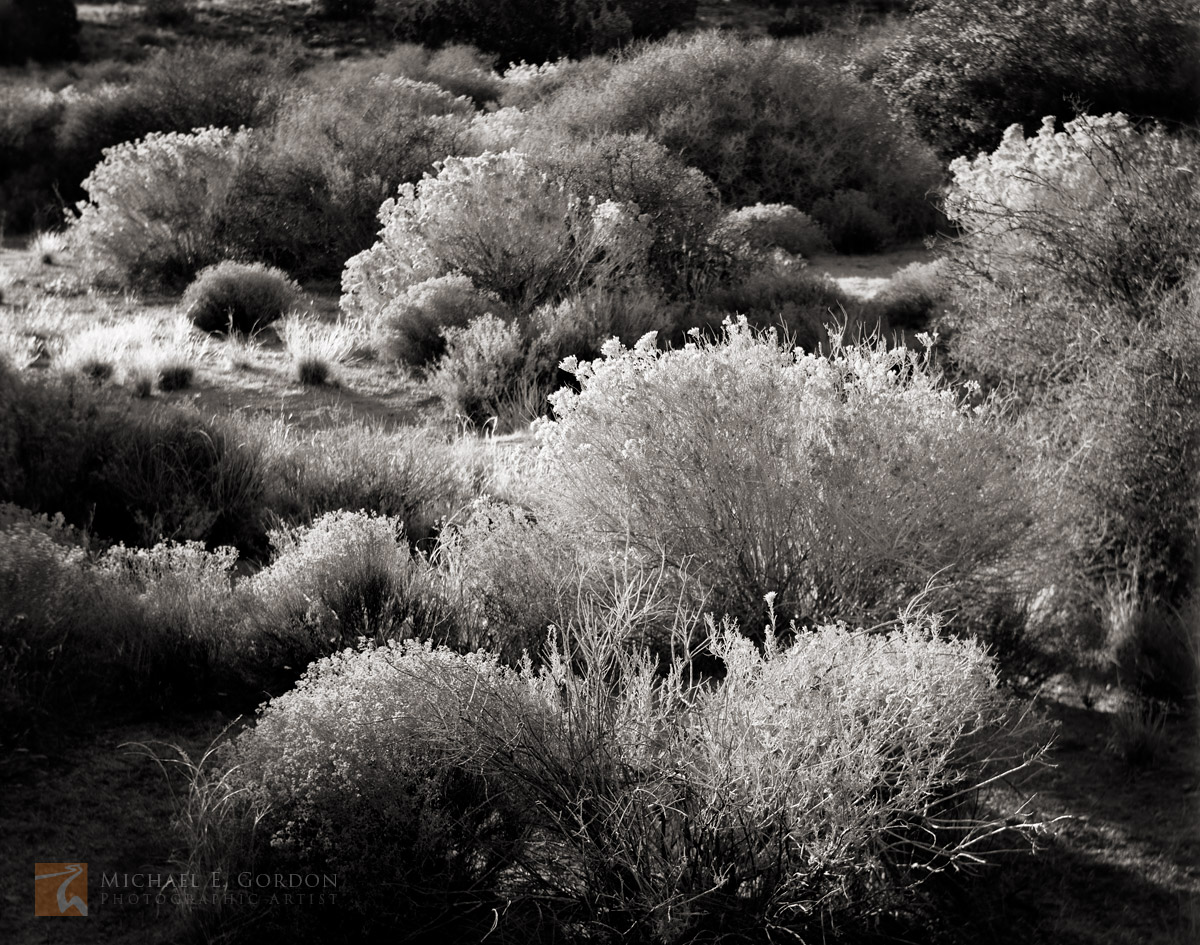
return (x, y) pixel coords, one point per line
(154, 207)
(368, 769)
(843, 483)
(501, 222)
(813, 787)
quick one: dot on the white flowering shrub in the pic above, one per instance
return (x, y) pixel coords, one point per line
(368, 769)
(1102, 211)
(154, 206)
(844, 483)
(502, 223)
(807, 788)
(766, 226)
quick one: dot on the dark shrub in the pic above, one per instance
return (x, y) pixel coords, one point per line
(240, 297)
(29, 118)
(308, 196)
(766, 122)
(967, 69)
(44, 30)
(534, 30)
(413, 324)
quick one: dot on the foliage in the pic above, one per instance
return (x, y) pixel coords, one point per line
(1074, 288)
(843, 483)
(239, 297)
(410, 475)
(309, 191)
(534, 30)
(29, 117)
(154, 207)
(484, 374)
(346, 576)
(413, 322)
(775, 226)
(765, 121)
(371, 752)
(814, 785)
(502, 223)
(965, 70)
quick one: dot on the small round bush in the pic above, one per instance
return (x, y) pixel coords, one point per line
(175, 376)
(853, 223)
(239, 297)
(483, 369)
(776, 226)
(413, 324)
(312, 371)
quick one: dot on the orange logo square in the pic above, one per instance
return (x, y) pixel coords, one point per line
(60, 889)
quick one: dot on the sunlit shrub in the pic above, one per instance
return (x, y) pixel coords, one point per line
(368, 769)
(154, 207)
(411, 475)
(843, 483)
(412, 324)
(486, 376)
(811, 785)
(502, 223)
(239, 297)
(346, 576)
(776, 226)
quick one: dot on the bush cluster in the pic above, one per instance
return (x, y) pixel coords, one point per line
(770, 123)
(811, 785)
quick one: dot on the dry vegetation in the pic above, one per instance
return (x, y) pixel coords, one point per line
(731, 485)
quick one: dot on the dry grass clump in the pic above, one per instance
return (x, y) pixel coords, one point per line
(316, 346)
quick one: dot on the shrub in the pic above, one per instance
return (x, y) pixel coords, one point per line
(808, 788)
(173, 474)
(154, 207)
(853, 224)
(776, 226)
(409, 475)
(765, 121)
(348, 575)
(914, 296)
(485, 377)
(534, 30)
(42, 30)
(29, 116)
(1073, 279)
(503, 224)
(178, 90)
(130, 472)
(675, 203)
(754, 466)
(967, 70)
(308, 194)
(413, 322)
(370, 752)
(457, 68)
(239, 297)
(1098, 213)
